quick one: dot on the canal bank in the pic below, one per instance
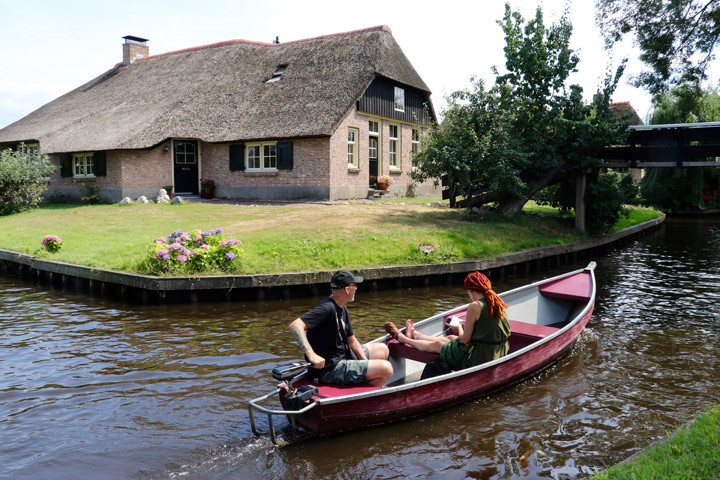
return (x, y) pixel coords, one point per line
(147, 289)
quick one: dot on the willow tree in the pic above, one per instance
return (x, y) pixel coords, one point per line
(527, 131)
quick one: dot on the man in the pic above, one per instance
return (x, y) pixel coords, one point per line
(326, 336)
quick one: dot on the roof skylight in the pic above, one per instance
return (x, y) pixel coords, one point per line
(278, 74)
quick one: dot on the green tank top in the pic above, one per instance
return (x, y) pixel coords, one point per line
(491, 330)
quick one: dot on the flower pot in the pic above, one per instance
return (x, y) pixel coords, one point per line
(383, 186)
(207, 193)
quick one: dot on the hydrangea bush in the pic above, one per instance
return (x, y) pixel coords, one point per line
(192, 252)
(52, 243)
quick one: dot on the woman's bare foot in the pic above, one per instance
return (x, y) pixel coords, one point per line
(409, 329)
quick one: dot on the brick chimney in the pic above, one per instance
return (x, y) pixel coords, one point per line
(134, 48)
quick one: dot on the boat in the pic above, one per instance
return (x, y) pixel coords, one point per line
(545, 317)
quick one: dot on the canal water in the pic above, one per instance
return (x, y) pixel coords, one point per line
(95, 389)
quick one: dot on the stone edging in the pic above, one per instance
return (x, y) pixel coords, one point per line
(257, 286)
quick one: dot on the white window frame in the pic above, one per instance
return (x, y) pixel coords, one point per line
(399, 100)
(353, 141)
(394, 146)
(83, 165)
(266, 158)
(414, 145)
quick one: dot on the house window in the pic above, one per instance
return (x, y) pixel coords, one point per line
(394, 146)
(30, 149)
(374, 128)
(399, 99)
(415, 145)
(83, 165)
(353, 147)
(261, 157)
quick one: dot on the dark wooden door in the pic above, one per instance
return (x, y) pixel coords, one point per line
(185, 164)
(373, 149)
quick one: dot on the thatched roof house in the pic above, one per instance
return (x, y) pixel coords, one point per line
(234, 111)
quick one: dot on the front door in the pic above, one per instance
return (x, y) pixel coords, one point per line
(373, 155)
(185, 165)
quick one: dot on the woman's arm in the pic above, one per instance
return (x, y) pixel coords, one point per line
(465, 331)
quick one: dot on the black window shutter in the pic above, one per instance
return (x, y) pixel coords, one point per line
(284, 152)
(100, 164)
(237, 157)
(66, 169)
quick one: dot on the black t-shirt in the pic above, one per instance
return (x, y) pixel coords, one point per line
(324, 335)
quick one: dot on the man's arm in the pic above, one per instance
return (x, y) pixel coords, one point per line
(298, 328)
(356, 347)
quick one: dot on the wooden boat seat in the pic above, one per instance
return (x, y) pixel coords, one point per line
(576, 287)
(403, 350)
(530, 329)
(522, 328)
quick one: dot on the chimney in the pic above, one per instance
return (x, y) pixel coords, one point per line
(134, 48)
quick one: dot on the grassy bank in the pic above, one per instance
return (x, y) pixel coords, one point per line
(693, 451)
(307, 237)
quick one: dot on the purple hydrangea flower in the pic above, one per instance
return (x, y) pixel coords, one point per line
(162, 254)
(230, 256)
(159, 240)
(181, 258)
(204, 247)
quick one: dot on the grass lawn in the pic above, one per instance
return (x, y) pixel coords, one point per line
(693, 451)
(287, 238)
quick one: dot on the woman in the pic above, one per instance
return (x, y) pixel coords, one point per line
(481, 339)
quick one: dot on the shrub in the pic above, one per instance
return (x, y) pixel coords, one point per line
(52, 243)
(604, 203)
(22, 179)
(191, 252)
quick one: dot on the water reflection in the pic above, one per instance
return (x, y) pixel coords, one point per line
(98, 389)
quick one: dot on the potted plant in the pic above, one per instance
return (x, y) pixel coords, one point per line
(384, 181)
(207, 188)
(168, 189)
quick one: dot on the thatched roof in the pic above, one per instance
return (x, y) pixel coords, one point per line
(625, 110)
(218, 93)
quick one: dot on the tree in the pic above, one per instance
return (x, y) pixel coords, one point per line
(22, 179)
(529, 129)
(683, 188)
(676, 37)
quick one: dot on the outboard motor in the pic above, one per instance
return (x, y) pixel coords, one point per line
(295, 400)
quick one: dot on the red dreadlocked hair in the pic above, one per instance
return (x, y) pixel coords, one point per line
(479, 282)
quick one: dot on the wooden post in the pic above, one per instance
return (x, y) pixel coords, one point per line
(580, 184)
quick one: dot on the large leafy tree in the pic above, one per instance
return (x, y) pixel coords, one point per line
(526, 131)
(676, 37)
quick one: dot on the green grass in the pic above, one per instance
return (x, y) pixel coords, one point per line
(693, 451)
(287, 238)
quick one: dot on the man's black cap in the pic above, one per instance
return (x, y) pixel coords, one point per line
(343, 278)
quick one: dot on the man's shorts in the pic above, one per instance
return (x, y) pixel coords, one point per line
(348, 372)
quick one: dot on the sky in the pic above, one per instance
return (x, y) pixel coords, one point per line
(48, 48)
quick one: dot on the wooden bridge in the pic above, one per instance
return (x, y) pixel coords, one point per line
(678, 145)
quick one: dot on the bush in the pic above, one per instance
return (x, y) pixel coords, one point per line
(52, 243)
(191, 252)
(604, 203)
(22, 179)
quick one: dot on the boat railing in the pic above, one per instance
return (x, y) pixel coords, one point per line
(253, 405)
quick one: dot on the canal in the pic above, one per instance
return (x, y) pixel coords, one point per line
(96, 389)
